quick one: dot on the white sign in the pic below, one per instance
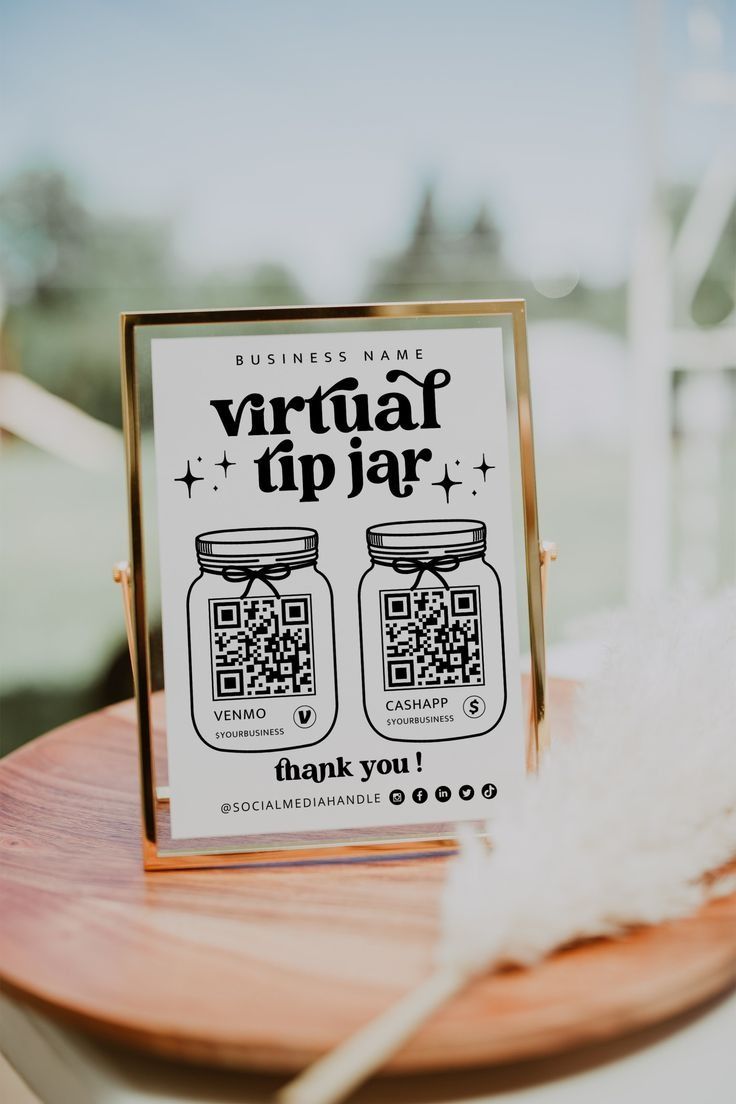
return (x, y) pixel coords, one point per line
(338, 584)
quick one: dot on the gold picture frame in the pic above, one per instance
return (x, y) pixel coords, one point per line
(133, 573)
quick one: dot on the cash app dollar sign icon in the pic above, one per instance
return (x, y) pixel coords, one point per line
(474, 706)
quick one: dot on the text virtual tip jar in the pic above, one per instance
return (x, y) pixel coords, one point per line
(432, 637)
(261, 641)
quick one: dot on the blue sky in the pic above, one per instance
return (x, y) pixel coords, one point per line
(304, 130)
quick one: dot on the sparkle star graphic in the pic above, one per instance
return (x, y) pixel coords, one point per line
(483, 467)
(189, 479)
(447, 484)
(225, 463)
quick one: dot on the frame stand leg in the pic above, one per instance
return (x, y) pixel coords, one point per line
(121, 576)
(538, 737)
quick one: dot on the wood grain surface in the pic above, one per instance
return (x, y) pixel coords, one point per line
(268, 967)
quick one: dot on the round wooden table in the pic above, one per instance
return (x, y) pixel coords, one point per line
(268, 967)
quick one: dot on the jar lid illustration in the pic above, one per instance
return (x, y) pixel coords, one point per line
(460, 537)
(221, 548)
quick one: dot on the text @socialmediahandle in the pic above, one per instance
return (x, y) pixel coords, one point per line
(419, 795)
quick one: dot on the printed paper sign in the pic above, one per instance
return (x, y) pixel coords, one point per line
(338, 588)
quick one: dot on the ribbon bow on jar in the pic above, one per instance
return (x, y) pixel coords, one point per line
(237, 574)
(432, 565)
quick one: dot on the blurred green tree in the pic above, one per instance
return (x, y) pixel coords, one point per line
(44, 233)
(442, 261)
(67, 272)
(715, 296)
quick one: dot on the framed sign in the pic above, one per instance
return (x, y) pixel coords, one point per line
(340, 522)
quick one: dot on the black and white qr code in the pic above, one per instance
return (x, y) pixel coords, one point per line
(262, 647)
(431, 638)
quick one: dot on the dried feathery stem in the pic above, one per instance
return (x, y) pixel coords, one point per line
(620, 828)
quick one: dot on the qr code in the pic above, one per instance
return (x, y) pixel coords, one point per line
(431, 638)
(262, 647)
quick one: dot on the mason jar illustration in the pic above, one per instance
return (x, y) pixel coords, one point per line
(431, 630)
(261, 641)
